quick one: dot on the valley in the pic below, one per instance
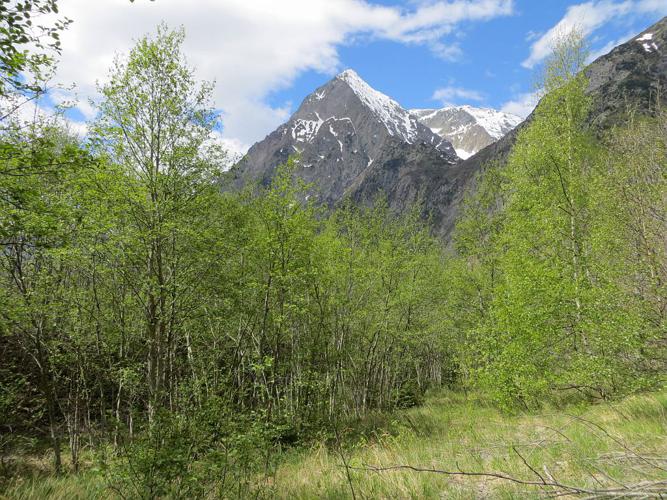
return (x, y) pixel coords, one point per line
(369, 300)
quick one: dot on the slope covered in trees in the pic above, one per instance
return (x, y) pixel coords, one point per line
(563, 245)
(185, 338)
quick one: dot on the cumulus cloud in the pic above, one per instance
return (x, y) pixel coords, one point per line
(252, 48)
(452, 95)
(522, 104)
(27, 111)
(588, 17)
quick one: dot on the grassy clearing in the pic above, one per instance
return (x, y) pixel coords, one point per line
(454, 433)
(592, 447)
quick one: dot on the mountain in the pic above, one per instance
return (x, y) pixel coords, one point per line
(630, 77)
(352, 140)
(469, 129)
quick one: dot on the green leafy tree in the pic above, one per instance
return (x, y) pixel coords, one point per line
(41, 224)
(156, 122)
(26, 43)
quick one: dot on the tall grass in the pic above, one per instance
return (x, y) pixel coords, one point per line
(589, 447)
(593, 447)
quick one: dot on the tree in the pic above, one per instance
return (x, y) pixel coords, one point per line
(629, 233)
(474, 271)
(25, 44)
(550, 318)
(156, 122)
(42, 220)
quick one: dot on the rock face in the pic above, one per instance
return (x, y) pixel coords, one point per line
(351, 140)
(633, 75)
(469, 129)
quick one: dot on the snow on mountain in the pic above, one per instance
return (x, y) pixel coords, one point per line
(397, 120)
(468, 128)
(496, 123)
(352, 141)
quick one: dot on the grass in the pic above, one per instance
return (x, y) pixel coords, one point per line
(455, 433)
(593, 447)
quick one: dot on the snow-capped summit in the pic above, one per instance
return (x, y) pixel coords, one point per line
(351, 140)
(468, 128)
(352, 144)
(398, 121)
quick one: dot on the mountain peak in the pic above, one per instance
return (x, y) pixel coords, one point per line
(351, 140)
(348, 73)
(467, 127)
(397, 120)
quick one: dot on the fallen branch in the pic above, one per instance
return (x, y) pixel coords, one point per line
(645, 489)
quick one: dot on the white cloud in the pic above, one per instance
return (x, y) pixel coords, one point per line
(605, 49)
(235, 147)
(27, 111)
(447, 52)
(451, 95)
(522, 104)
(588, 17)
(252, 48)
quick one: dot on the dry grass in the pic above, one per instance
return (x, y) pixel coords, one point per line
(455, 433)
(594, 447)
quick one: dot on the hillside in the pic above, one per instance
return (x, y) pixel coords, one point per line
(630, 78)
(354, 141)
(351, 141)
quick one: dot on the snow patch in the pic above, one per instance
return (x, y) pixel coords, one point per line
(396, 119)
(646, 42)
(306, 130)
(333, 132)
(649, 47)
(424, 114)
(496, 123)
(463, 154)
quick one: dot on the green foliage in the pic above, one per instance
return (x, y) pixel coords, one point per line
(25, 44)
(146, 297)
(195, 336)
(544, 247)
(201, 452)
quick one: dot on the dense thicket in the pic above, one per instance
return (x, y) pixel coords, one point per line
(135, 293)
(560, 266)
(189, 333)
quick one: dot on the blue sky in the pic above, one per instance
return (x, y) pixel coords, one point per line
(265, 56)
(489, 66)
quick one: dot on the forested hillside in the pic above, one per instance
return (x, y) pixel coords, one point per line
(162, 337)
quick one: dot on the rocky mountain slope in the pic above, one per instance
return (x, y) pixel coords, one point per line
(633, 76)
(468, 128)
(351, 140)
(354, 141)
